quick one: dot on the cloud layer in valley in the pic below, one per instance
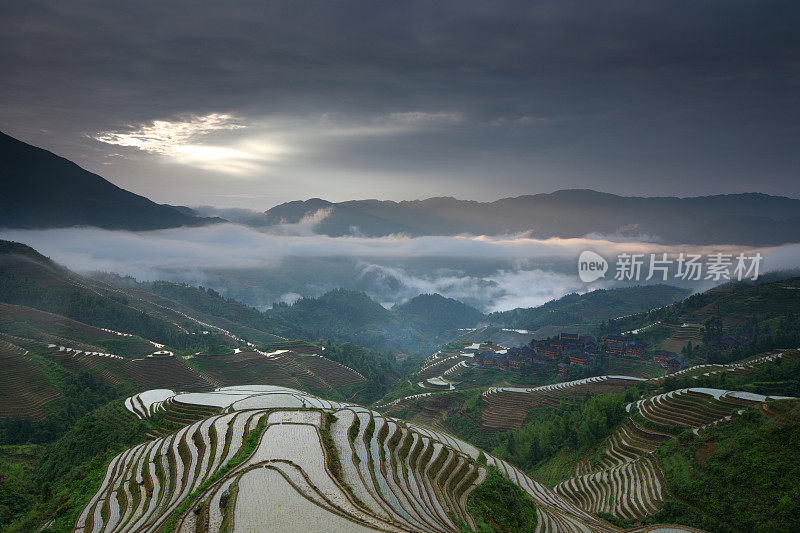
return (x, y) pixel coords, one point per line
(492, 273)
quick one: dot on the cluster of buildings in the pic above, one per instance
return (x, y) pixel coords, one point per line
(617, 346)
(507, 359)
(580, 349)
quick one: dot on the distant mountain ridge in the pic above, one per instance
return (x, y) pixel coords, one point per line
(745, 219)
(43, 190)
(338, 220)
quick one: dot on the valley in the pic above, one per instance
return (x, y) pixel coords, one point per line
(218, 417)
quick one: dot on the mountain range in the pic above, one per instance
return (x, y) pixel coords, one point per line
(43, 190)
(745, 219)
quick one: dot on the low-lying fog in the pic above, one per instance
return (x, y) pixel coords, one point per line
(260, 267)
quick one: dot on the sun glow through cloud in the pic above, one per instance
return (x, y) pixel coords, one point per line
(221, 142)
(162, 136)
(178, 140)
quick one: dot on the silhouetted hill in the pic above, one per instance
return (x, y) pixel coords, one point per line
(43, 190)
(745, 219)
(336, 220)
(9, 248)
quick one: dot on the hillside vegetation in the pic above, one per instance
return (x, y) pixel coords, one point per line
(245, 321)
(729, 322)
(69, 344)
(696, 448)
(64, 475)
(433, 313)
(582, 312)
(715, 477)
(350, 316)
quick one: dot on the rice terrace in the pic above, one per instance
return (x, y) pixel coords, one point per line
(174, 420)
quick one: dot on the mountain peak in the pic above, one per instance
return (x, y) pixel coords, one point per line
(44, 190)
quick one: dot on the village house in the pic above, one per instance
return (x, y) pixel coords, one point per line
(662, 357)
(615, 344)
(507, 359)
(674, 364)
(577, 349)
(523, 352)
(550, 351)
(578, 359)
(636, 348)
(501, 361)
(570, 342)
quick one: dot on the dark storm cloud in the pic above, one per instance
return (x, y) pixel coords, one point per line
(472, 99)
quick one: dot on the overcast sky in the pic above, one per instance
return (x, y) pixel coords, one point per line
(254, 103)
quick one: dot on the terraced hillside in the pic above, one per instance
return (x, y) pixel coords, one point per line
(195, 308)
(628, 481)
(427, 408)
(141, 373)
(695, 408)
(278, 456)
(582, 312)
(130, 363)
(507, 407)
(437, 366)
(24, 390)
(734, 370)
(47, 387)
(681, 335)
(278, 367)
(441, 370)
(82, 347)
(53, 328)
